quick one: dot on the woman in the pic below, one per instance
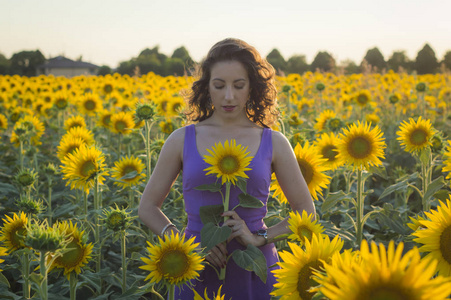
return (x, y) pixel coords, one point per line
(234, 98)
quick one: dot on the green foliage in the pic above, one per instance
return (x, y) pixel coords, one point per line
(25, 63)
(426, 62)
(4, 65)
(104, 70)
(447, 60)
(297, 64)
(399, 61)
(251, 259)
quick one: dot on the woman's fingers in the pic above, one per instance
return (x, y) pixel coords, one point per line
(217, 256)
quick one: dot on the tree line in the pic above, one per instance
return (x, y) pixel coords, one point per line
(180, 62)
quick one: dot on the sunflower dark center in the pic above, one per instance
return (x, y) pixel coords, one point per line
(108, 88)
(229, 164)
(359, 147)
(362, 99)
(106, 120)
(329, 152)
(307, 170)
(72, 257)
(174, 263)
(120, 125)
(90, 105)
(17, 235)
(418, 137)
(387, 292)
(305, 232)
(61, 103)
(445, 244)
(87, 168)
(304, 280)
(128, 169)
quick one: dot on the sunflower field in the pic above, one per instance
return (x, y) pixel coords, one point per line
(76, 154)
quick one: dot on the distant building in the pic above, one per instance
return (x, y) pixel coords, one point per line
(62, 66)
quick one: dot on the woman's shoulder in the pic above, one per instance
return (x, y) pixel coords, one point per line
(177, 137)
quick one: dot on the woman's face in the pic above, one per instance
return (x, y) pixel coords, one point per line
(229, 88)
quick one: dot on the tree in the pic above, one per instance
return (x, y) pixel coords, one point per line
(297, 64)
(447, 60)
(323, 61)
(399, 60)
(426, 62)
(4, 65)
(183, 54)
(25, 62)
(174, 66)
(375, 58)
(276, 60)
(104, 70)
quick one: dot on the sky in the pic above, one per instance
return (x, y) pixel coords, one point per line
(108, 32)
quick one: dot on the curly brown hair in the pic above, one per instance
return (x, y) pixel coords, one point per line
(262, 105)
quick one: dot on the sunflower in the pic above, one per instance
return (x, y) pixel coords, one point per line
(323, 118)
(122, 122)
(447, 160)
(13, 232)
(303, 227)
(384, 274)
(80, 251)
(436, 237)
(34, 128)
(327, 147)
(166, 126)
(128, 171)
(294, 277)
(68, 145)
(173, 261)
(61, 100)
(361, 146)
(228, 161)
(363, 98)
(3, 252)
(415, 225)
(3, 122)
(415, 136)
(81, 167)
(80, 132)
(89, 104)
(74, 121)
(215, 297)
(104, 118)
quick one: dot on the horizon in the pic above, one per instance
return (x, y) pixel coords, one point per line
(109, 33)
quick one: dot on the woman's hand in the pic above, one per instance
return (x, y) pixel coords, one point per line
(217, 256)
(240, 231)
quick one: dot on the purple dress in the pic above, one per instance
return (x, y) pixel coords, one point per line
(239, 283)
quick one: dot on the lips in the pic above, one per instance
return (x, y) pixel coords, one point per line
(229, 107)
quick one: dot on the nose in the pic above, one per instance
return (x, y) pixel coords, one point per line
(229, 93)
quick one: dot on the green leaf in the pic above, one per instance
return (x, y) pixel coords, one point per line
(332, 200)
(211, 213)
(214, 187)
(211, 235)
(425, 156)
(4, 280)
(249, 201)
(252, 259)
(129, 175)
(434, 187)
(242, 184)
(399, 186)
(442, 195)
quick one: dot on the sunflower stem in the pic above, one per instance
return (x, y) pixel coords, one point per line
(359, 209)
(73, 285)
(43, 268)
(426, 180)
(226, 208)
(21, 154)
(147, 128)
(124, 262)
(97, 228)
(49, 202)
(171, 295)
(26, 275)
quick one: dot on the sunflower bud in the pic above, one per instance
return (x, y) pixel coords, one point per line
(335, 124)
(320, 86)
(421, 87)
(43, 238)
(144, 111)
(117, 219)
(437, 143)
(26, 177)
(286, 88)
(393, 99)
(50, 170)
(30, 206)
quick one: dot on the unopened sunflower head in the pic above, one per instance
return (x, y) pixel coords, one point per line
(50, 169)
(145, 111)
(335, 124)
(320, 86)
(41, 237)
(421, 87)
(117, 219)
(26, 177)
(30, 206)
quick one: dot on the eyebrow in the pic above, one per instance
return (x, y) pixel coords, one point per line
(241, 79)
